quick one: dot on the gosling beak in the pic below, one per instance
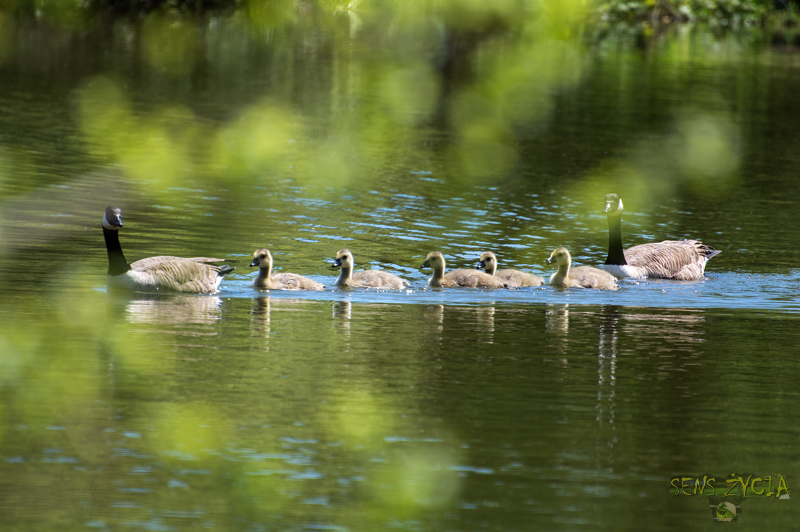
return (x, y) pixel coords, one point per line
(336, 264)
(254, 263)
(550, 260)
(426, 264)
(480, 266)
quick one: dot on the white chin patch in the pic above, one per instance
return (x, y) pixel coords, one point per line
(108, 225)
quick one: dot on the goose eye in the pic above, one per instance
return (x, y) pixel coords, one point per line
(263, 256)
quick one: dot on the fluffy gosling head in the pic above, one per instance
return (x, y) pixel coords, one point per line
(344, 259)
(560, 256)
(613, 205)
(261, 258)
(487, 261)
(112, 218)
(434, 260)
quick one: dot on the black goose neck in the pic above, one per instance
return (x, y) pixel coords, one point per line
(616, 256)
(117, 265)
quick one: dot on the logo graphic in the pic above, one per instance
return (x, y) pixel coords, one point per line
(726, 511)
(725, 495)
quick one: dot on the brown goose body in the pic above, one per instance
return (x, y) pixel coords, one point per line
(488, 263)
(262, 258)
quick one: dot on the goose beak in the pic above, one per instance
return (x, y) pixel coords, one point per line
(549, 260)
(336, 264)
(481, 265)
(425, 264)
(254, 263)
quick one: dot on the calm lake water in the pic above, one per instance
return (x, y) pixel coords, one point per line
(418, 409)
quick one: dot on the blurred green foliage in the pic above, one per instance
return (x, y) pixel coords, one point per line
(362, 95)
(487, 60)
(736, 14)
(115, 394)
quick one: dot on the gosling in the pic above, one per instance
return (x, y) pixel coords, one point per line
(580, 277)
(366, 278)
(465, 278)
(488, 263)
(280, 281)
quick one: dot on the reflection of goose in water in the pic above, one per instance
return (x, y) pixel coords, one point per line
(174, 309)
(484, 321)
(557, 319)
(280, 281)
(260, 317)
(364, 278)
(464, 278)
(342, 316)
(342, 313)
(683, 260)
(476, 323)
(434, 320)
(580, 277)
(488, 263)
(174, 274)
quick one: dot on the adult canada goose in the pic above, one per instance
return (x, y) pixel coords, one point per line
(683, 260)
(580, 277)
(488, 263)
(465, 278)
(280, 281)
(174, 274)
(365, 278)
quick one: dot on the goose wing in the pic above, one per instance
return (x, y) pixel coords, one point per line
(671, 259)
(177, 274)
(206, 260)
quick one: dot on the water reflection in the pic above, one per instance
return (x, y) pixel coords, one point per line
(173, 309)
(342, 314)
(477, 321)
(605, 407)
(260, 319)
(668, 340)
(464, 400)
(557, 319)
(433, 319)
